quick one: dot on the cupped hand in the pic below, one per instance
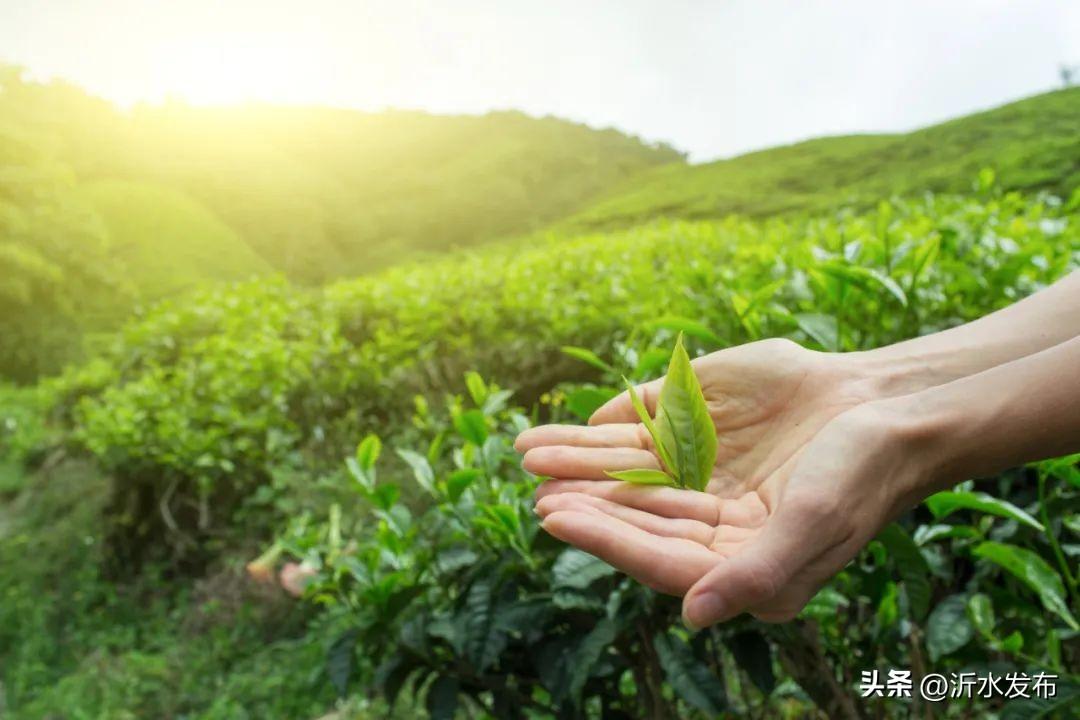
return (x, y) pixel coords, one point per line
(773, 516)
(765, 551)
(767, 399)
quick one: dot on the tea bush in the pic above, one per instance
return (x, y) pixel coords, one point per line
(221, 415)
(201, 403)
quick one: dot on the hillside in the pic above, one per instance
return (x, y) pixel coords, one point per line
(319, 193)
(103, 210)
(1033, 144)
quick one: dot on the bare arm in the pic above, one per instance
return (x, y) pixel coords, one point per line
(1038, 322)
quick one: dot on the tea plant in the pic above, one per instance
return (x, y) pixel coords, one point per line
(217, 417)
(683, 433)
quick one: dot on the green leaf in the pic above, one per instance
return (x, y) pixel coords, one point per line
(686, 429)
(822, 328)
(911, 565)
(367, 452)
(365, 478)
(588, 654)
(685, 326)
(472, 425)
(643, 477)
(754, 656)
(442, 698)
(422, 471)
(577, 569)
(523, 616)
(583, 402)
(948, 628)
(339, 660)
(391, 675)
(864, 278)
(1013, 642)
(459, 481)
(943, 504)
(588, 356)
(1034, 572)
(484, 641)
(980, 611)
(478, 390)
(689, 677)
(647, 421)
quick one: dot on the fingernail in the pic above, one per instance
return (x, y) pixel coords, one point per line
(703, 609)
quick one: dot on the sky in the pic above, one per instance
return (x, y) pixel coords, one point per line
(714, 79)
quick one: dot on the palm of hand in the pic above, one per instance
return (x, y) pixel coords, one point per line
(768, 400)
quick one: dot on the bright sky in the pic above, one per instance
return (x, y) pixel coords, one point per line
(714, 78)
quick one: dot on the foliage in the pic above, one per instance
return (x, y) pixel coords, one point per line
(75, 644)
(222, 414)
(53, 258)
(317, 192)
(1032, 144)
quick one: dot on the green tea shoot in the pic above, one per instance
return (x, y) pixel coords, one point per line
(682, 432)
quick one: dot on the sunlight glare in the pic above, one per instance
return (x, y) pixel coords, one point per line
(224, 68)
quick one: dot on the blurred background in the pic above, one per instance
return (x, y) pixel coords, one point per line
(252, 252)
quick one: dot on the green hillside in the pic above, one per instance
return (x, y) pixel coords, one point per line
(103, 210)
(321, 192)
(173, 240)
(1033, 144)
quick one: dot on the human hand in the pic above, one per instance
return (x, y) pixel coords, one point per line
(766, 551)
(768, 400)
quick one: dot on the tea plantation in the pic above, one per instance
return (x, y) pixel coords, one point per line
(218, 425)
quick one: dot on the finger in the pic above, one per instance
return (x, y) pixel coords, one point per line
(632, 435)
(756, 573)
(563, 461)
(664, 501)
(668, 565)
(693, 530)
(619, 409)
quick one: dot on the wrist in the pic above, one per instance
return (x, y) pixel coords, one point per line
(927, 434)
(891, 372)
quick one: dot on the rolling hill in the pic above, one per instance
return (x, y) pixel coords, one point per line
(320, 193)
(1032, 144)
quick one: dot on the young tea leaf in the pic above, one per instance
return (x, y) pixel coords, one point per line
(642, 477)
(647, 421)
(367, 453)
(684, 422)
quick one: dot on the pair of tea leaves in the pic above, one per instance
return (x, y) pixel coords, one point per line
(682, 432)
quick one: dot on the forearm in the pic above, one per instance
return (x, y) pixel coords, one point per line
(1038, 322)
(1017, 412)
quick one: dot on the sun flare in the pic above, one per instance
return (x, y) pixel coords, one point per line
(236, 67)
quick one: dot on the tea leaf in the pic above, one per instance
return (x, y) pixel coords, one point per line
(661, 449)
(367, 453)
(472, 426)
(690, 678)
(684, 421)
(943, 504)
(642, 477)
(478, 390)
(587, 356)
(1034, 572)
(948, 628)
(688, 326)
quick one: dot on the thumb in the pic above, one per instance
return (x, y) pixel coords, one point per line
(620, 409)
(754, 576)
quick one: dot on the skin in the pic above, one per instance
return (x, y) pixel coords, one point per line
(817, 453)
